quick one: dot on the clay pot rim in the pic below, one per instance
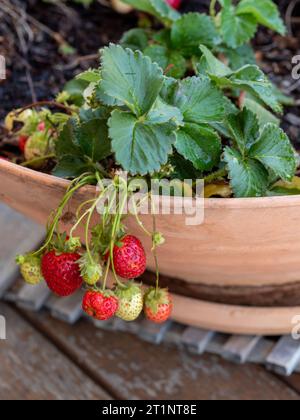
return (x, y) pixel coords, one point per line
(210, 203)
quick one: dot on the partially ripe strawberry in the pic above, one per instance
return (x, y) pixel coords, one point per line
(129, 258)
(22, 142)
(4, 158)
(158, 305)
(62, 272)
(174, 3)
(41, 126)
(100, 305)
(130, 301)
(30, 267)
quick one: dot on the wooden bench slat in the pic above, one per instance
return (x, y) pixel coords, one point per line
(285, 356)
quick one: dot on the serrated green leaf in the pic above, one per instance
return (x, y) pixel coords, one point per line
(244, 128)
(238, 57)
(162, 112)
(183, 169)
(265, 12)
(70, 166)
(197, 98)
(135, 39)
(80, 145)
(211, 65)
(264, 116)
(65, 143)
(248, 177)
(140, 145)
(199, 144)
(191, 30)
(158, 8)
(102, 113)
(166, 58)
(92, 138)
(249, 78)
(75, 89)
(130, 77)
(274, 150)
(236, 29)
(90, 76)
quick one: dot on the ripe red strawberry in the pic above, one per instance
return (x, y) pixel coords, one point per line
(22, 143)
(174, 3)
(62, 272)
(158, 305)
(129, 258)
(100, 305)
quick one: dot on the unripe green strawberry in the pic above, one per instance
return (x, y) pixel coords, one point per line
(30, 267)
(91, 271)
(130, 301)
(36, 147)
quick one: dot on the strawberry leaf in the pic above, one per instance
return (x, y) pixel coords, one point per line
(248, 78)
(248, 177)
(244, 128)
(237, 29)
(135, 39)
(199, 144)
(191, 30)
(165, 57)
(238, 57)
(92, 138)
(274, 150)
(197, 98)
(265, 12)
(158, 8)
(79, 146)
(141, 146)
(131, 78)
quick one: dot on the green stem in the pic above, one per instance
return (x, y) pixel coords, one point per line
(37, 160)
(115, 229)
(59, 212)
(212, 8)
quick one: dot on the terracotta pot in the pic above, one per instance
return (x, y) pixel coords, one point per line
(246, 253)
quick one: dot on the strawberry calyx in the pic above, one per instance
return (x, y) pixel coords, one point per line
(154, 298)
(128, 290)
(62, 244)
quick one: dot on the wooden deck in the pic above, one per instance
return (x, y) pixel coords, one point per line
(45, 358)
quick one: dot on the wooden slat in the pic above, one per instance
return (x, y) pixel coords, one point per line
(154, 333)
(133, 369)
(32, 368)
(285, 356)
(21, 235)
(68, 309)
(32, 297)
(239, 347)
(196, 339)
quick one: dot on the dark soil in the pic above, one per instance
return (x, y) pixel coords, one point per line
(37, 70)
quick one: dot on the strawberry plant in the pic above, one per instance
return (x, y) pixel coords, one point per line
(182, 99)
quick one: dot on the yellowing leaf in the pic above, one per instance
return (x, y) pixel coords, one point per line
(13, 117)
(217, 190)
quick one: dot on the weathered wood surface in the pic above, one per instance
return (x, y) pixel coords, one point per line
(32, 368)
(132, 369)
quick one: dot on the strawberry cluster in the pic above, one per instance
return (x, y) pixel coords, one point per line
(66, 265)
